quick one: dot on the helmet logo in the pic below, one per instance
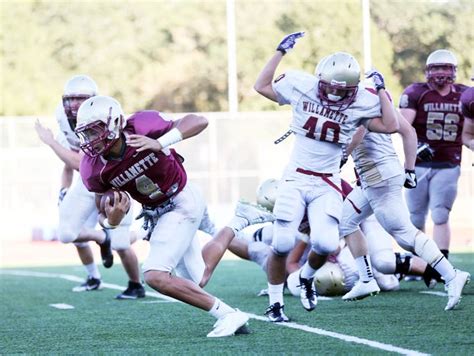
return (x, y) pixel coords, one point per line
(338, 83)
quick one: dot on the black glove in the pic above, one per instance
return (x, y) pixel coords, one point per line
(424, 152)
(410, 179)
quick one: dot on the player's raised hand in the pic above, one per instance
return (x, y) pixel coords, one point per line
(377, 78)
(288, 42)
(142, 143)
(44, 134)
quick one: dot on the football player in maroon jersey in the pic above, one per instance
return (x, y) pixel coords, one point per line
(134, 156)
(433, 108)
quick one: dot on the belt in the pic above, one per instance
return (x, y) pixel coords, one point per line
(311, 173)
(325, 177)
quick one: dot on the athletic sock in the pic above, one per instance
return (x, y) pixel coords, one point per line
(445, 269)
(92, 270)
(238, 223)
(275, 293)
(365, 268)
(219, 309)
(307, 272)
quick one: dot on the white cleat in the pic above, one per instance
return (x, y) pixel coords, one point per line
(454, 288)
(362, 290)
(229, 324)
(254, 214)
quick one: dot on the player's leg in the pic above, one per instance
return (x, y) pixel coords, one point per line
(173, 235)
(245, 214)
(77, 214)
(355, 210)
(388, 206)
(443, 191)
(418, 199)
(121, 243)
(289, 211)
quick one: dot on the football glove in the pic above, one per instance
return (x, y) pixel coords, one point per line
(424, 152)
(288, 42)
(377, 78)
(410, 179)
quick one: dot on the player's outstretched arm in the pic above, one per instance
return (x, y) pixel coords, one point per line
(409, 139)
(389, 121)
(263, 84)
(188, 126)
(69, 157)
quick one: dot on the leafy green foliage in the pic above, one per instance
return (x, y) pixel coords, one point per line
(172, 55)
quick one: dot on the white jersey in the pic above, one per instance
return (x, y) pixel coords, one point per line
(375, 159)
(320, 131)
(66, 136)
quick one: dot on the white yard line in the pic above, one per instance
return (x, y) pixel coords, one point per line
(439, 294)
(343, 337)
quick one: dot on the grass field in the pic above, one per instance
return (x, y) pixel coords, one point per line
(407, 321)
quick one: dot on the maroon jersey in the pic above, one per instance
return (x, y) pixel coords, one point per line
(151, 178)
(438, 121)
(467, 103)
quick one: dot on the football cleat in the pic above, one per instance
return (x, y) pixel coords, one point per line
(275, 313)
(454, 288)
(308, 294)
(106, 251)
(263, 293)
(133, 291)
(90, 284)
(362, 290)
(230, 324)
(254, 214)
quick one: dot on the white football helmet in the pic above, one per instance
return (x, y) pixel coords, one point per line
(441, 67)
(100, 121)
(339, 76)
(76, 90)
(267, 193)
(329, 280)
(317, 70)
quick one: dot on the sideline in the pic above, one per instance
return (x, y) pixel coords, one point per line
(343, 337)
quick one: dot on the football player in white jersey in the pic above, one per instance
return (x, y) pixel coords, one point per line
(77, 209)
(382, 178)
(327, 109)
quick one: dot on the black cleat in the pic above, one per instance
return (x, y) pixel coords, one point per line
(106, 251)
(133, 291)
(275, 313)
(90, 284)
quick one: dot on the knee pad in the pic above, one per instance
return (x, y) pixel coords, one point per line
(384, 261)
(258, 253)
(119, 238)
(327, 242)
(440, 215)
(419, 220)
(387, 282)
(283, 238)
(427, 249)
(67, 235)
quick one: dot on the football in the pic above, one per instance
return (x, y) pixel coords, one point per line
(110, 194)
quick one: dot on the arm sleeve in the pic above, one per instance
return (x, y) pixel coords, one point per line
(151, 124)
